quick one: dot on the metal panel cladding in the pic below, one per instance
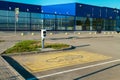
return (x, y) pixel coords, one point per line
(111, 13)
(5, 5)
(65, 9)
(84, 10)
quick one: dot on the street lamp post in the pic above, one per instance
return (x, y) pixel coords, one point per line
(15, 25)
(16, 18)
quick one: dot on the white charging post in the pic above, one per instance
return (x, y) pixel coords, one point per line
(43, 35)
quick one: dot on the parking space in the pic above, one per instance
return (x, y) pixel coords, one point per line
(43, 62)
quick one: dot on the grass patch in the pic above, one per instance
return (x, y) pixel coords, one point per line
(1, 40)
(32, 45)
(56, 46)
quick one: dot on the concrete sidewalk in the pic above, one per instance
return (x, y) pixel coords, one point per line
(6, 45)
(6, 71)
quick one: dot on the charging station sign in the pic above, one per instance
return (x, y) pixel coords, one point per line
(43, 33)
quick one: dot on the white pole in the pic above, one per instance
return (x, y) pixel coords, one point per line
(43, 43)
(42, 24)
(16, 18)
(15, 26)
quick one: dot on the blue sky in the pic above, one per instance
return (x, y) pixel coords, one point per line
(106, 3)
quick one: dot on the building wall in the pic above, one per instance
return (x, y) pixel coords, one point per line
(64, 9)
(95, 18)
(65, 17)
(27, 16)
(4, 5)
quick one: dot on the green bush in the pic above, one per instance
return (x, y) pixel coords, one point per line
(32, 45)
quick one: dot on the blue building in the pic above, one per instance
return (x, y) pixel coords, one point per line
(62, 17)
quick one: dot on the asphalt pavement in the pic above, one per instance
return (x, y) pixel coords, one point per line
(105, 44)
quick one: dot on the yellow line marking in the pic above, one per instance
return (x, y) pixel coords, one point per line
(43, 62)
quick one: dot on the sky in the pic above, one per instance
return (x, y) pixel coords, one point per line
(105, 3)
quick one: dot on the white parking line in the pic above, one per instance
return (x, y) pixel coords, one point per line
(71, 70)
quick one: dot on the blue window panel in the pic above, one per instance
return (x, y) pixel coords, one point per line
(48, 16)
(36, 15)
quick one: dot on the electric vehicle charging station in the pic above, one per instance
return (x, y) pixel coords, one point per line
(43, 36)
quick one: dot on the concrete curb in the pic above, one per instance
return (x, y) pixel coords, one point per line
(37, 52)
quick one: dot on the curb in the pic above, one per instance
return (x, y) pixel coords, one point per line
(37, 52)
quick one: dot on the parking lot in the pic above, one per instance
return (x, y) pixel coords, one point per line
(105, 68)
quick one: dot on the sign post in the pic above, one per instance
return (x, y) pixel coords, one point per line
(16, 17)
(43, 35)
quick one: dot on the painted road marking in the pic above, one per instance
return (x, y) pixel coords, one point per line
(39, 63)
(71, 70)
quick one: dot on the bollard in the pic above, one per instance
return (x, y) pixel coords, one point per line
(66, 33)
(51, 33)
(22, 34)
(108, 33)
(95, 33)
(104, 33)
(79, 33)
(32, 34)
(90, 33)
(112, 32)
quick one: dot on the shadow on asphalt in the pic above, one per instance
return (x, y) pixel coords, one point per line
(90, 74)
(84, 37)
(83, 45)
(72, 37)
(23, 72)
(73, 47)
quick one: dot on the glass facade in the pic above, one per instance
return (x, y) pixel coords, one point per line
(35, 21)
(93, 24)
(118, 23)
(58, 22)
